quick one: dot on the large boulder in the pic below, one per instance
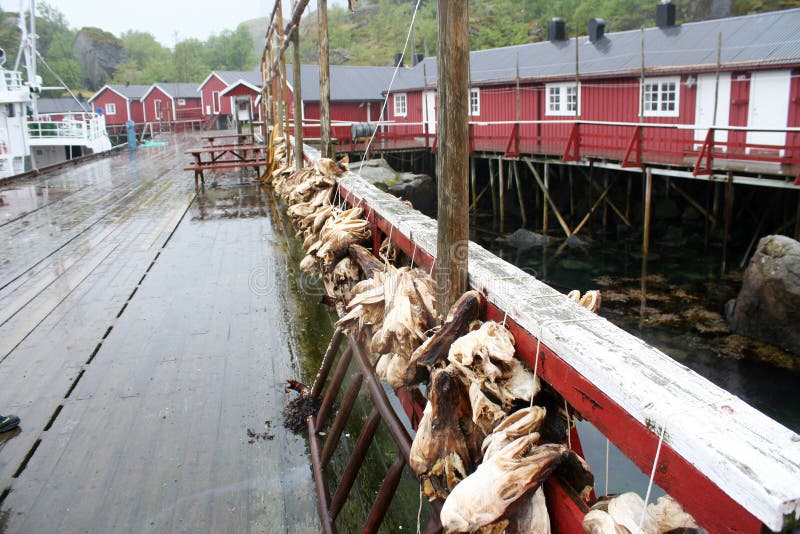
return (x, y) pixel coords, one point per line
(100, 53)
(419, 189)
(768, 305)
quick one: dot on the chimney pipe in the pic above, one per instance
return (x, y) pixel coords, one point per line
(398, 59)
(418, 59)
(665, 14)
(597, 28)
(556, 30)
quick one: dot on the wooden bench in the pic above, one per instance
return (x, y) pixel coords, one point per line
(225, 157)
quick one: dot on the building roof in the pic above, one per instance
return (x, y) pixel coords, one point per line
(763, 39)
(130, 92)
(347, 82)
(174, 89)
(61, 105)
(253, 77)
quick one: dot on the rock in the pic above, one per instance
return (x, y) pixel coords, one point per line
(100, 53)
(574, 241)
(523, 239)
(768, 305)
(419, 189)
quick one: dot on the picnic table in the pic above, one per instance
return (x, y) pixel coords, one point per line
(242, 138)
(220, 157)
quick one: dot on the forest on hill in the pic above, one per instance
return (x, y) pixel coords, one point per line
(87, 58)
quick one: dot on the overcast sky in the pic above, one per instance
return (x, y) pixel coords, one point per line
(162, 18)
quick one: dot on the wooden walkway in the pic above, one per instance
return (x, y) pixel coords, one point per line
(135, 344)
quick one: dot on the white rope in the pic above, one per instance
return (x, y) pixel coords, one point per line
(419, 511)
(394, 75)
(652, 476)
(413, 252)
(608, 451)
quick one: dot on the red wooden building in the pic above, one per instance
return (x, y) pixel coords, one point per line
(242, 96)
(213, 101)
(172, 102)
(521, 95)
(356, 96)
(120, 103)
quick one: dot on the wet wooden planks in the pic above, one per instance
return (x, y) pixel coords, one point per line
(156, 430)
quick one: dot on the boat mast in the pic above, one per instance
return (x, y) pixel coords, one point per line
(30, 57)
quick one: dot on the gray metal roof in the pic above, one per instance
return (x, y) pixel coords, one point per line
(252, 77)
(347, 82)
(764, 39)
(61, 105)
(131, 92)
(179, 90)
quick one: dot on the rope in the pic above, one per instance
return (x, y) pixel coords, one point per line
(419, 511)
(652, 476)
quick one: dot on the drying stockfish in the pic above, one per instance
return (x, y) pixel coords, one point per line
(484, 496)
(591, 300)
(365, 260)
(622, 514)
(366, 307)
(486, 356)
(526, 516)
(409, 312)
(520, 423)
(389, 252)
(338, 284)
(577, 474)
(433, 351)
(485, 413)
(338, 233)
(446, 446)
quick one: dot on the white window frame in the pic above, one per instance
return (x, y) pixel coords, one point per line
(111, 108)
(474, 101)
(181, 102)
(562, 99)
(400, 105)
(158, 109)
(215, 102)
(661, 94)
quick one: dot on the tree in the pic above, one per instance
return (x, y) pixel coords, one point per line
(231, 50)
(189, 61)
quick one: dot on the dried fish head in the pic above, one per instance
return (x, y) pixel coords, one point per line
(485, 413)
(626, 511)
(520, 423)
(485, 495)
(600, 522)
(670, 515)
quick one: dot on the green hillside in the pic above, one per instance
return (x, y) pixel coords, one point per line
(377, 30)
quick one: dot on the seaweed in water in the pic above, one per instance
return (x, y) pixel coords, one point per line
(298, 409)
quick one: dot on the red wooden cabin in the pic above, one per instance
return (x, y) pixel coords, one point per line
(212, 100)
(172, 102)
(241, 96)
(537, 86)
(120, 103)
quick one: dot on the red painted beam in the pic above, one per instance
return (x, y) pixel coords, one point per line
(711, 507)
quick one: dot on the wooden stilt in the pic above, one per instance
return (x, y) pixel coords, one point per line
(473, 187)
(494, 194)
(546, 193)
(298, 102)
(648, 192)
(539, 181)
(571, 197)
(502, 191)
(696, 205)
(727, 222)
(520, 198)
(628, 198)
(605, 204)
(715, 205)
(324, 80)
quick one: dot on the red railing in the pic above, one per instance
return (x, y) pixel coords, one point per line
(631, 144)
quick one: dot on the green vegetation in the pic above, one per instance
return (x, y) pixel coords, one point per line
(377, 30)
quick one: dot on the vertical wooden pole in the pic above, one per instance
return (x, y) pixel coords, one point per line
(279, 103)
(452, 167)
(473, 187)
(520, 198)
(727, 223)
(494, 193)
(545, 210)
(298, 101)
(571, 197)
(502, 188)
(648, 192)
(605, 204)
(628, 198)
(324, 81)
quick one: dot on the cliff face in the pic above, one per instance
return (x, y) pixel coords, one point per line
(100, 53)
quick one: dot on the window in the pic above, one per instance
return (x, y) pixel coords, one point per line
(474, 102)
(111, 109)
(400, 105)
(562, 99)
(181, 102)
(661, 97)
(215, 102)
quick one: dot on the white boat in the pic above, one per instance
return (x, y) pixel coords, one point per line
(28, 140)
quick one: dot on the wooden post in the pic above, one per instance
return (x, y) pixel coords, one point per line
(546, 193)
(648, 192)
(520, 198)
(298, 102)
(473, 187)
(494, 195)
(279, 101)
(452, 166)
(571, 197)
(502, 188)
(324, 81)
(727, 223)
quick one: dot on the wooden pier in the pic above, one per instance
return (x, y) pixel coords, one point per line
(134, 346)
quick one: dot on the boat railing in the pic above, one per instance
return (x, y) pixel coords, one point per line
(84, 126)
(12, 79)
